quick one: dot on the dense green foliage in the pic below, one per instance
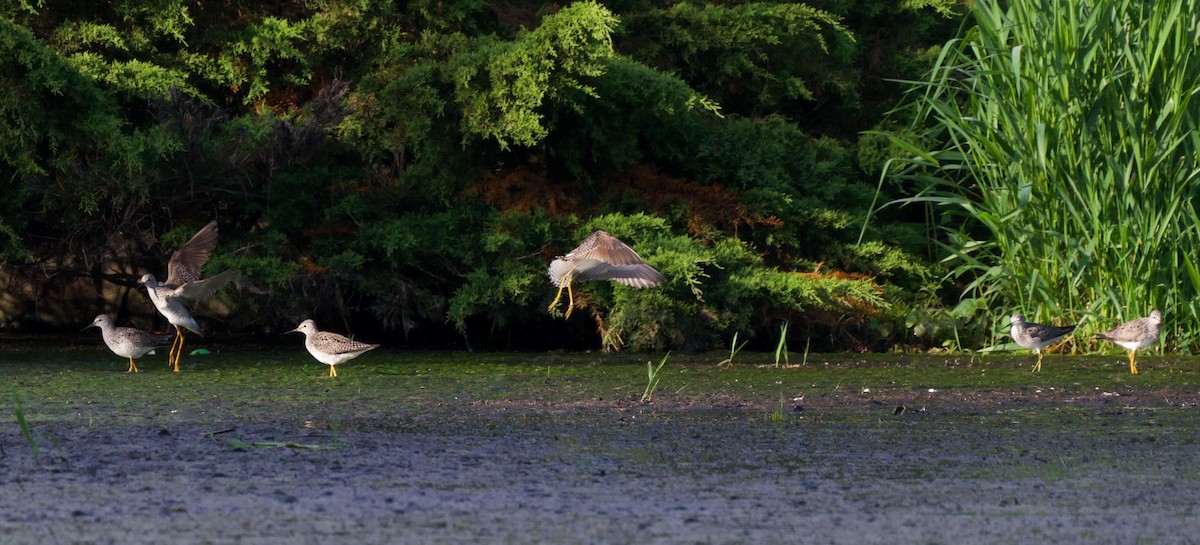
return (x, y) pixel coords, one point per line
(414, 167)
(1056, 140)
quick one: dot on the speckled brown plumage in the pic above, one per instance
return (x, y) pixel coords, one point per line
(330, 348)
(1036, 336)
(1134, 334)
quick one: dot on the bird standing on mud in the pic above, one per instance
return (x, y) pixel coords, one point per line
(184, 285)
(128, 342)
(600, 256)
(1036, 336)
(1134, 334)
(330, 348)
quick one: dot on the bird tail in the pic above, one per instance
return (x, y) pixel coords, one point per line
(558, 272)
(194, 327)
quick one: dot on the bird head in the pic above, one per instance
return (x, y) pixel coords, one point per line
(1017, 319)
(100, 321)
(148, 280)
(307, 327)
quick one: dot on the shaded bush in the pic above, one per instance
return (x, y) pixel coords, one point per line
(413, 168)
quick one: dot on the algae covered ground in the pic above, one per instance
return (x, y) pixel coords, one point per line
(260, 446)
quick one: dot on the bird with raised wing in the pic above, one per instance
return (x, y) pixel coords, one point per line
(185, 286)
(1133, 335)
(330, 348)
(1037, 336)
(128, 342)
(600, 256)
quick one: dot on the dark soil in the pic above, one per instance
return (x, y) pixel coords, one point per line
(906, 465)
(1093, 472)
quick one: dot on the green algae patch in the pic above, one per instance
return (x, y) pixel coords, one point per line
(264, 385)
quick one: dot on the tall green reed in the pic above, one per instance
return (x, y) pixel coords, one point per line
(1055, 146)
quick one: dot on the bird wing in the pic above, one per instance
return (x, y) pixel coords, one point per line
(1131, 331)
(1043, 331)
(602, 246)
(186, 263)
(240, 282)
(200, 290)
(338, 344)
(144, 338)
(636, 276)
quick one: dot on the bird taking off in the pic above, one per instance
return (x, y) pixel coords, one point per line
(600, 256)
(184, 286)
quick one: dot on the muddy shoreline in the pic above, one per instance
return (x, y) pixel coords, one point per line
(1096, 470)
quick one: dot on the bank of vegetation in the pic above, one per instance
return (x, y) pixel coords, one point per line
(408, 170)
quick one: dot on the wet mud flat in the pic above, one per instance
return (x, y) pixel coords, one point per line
(829, 469)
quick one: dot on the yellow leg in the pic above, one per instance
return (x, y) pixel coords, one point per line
(171, 352)
(132, 366)
(179, 354)
(571, 299)
(564, 282)
(556, 298)
(332, 371)
(177, 347)
(1038, 366)
(1133, 361)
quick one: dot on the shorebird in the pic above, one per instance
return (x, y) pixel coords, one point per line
(600, 256)
(330, 348)
(127, 341)
(1133, 335)
(184, 285)
(1037, 336)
